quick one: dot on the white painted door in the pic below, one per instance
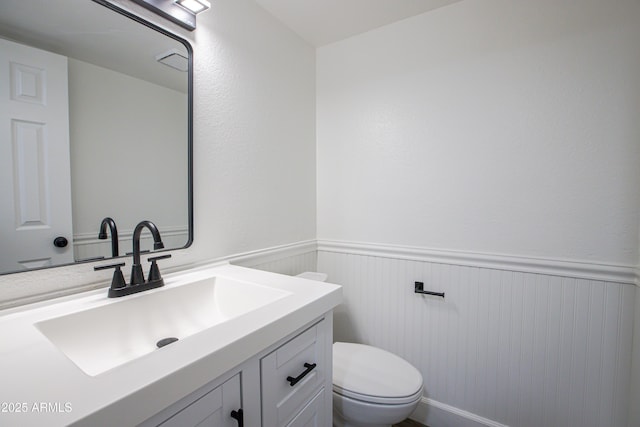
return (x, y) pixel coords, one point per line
(35, 192)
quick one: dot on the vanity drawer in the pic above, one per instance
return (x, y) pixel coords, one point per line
(289, 378)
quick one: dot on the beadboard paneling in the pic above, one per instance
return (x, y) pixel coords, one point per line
(516, 348)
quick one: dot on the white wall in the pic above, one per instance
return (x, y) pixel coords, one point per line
(486, 126)
(492, 149)
(254, 141)
(254, 132)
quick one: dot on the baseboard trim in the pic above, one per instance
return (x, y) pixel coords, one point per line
(555, 267)
(437, 414)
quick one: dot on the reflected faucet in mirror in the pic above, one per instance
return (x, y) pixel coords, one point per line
(102, 234)
(119, 287)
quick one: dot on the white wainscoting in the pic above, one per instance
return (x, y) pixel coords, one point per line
(542, 346)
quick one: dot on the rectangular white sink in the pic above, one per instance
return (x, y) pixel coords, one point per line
(102, 338)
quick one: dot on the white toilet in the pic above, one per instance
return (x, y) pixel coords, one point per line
(371, 387)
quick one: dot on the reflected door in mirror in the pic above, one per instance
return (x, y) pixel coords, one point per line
(34, 158)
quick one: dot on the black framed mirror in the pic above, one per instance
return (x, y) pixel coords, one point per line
(96, 112)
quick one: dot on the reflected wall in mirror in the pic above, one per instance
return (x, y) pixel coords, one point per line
(95, 110)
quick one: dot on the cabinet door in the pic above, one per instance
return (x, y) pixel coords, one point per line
(211, 410)
(292, 375)
(312, 415)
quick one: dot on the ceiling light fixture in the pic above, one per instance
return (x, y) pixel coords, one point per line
(195, 6)
(182, 12)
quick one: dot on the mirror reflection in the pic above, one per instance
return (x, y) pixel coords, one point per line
(95, 127)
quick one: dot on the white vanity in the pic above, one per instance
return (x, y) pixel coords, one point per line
(260, 386)
(89, 360)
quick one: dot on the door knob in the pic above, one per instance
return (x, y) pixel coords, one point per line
(60, 242)
(238, 416)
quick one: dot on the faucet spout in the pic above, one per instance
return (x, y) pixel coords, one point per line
(137, 276)
(102, 234)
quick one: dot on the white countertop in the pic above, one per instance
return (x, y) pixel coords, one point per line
(49, 389)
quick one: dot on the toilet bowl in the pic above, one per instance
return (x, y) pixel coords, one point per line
(372, 387)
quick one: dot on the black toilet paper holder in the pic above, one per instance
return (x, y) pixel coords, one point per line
(419, 289)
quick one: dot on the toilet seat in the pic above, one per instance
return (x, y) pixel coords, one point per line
(365, 398)
(370, 374)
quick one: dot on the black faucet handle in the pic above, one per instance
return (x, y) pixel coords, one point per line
(154, 271)
(117, 281)
(106, 267)
(146, 251)
(159, 257)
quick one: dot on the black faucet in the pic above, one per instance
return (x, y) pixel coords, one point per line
(137, 277)
(102, 234)
(119, 287)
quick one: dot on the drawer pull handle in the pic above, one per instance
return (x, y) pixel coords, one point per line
(309, 367)
(238, 416)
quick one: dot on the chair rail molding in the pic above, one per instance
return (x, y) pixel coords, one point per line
(624, 274)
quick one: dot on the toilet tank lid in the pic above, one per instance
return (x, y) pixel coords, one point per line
(312, 275)
(371, 371)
